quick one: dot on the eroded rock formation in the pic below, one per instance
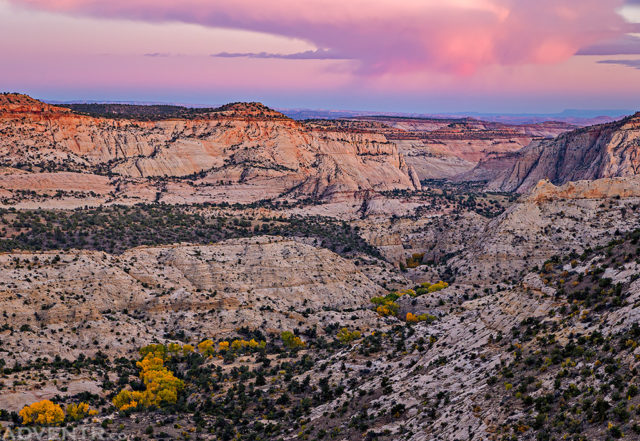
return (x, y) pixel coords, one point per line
(243, 143)
(603, 151)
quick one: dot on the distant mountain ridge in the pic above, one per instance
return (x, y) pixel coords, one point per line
(569, 116)
(435, 148)
(252, 144)
(580, 117)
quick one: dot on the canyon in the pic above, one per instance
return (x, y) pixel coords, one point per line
(444, 278)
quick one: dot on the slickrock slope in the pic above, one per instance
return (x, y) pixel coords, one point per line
(245, 144)
(514, 361)
(442, 390)
(53, 182)
(604, 151)
(505, 349)
(432, 235)
(511, 361)
(489, 364)
(129, 300)
(550, 221)
(433, 161)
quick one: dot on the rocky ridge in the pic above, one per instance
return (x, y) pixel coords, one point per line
(210, 290)
(550, 221)
(245, 144)
(603, 151)
(444, 148)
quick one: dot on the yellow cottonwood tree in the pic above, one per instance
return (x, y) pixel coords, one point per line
(388, 308)
(437, 286)
(173, 348)
(426, 318)
(127, 399)
(157, 350)
(240, 344)
(207, 348)
(43, 413)
(76, 412)
(291, 341)
(346, 336)
(161, 386)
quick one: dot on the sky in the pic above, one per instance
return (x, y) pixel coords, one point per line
(425, 56)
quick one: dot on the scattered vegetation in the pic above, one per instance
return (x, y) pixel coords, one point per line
(388, 305)
(456, 198)
(576, 385)
(117, 228)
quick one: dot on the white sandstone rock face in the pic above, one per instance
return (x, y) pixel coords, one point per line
(603, 151)
(259, 152)
(129, 300)
(550, 221)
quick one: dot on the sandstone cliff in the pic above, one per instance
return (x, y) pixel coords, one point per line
(242, 143)
(607, 188)
(603, 151)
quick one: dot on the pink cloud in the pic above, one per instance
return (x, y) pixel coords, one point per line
(392, 36)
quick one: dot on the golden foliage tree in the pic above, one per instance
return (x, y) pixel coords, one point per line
(436, 286)
(412, 318)
(76, 412)
(43, 413)
(127, 399)
(158, 350)
(173, 348)
(291, 341)
(161, 386)
(207, 348)
(241, 344)
(388, 308)
(346, 336)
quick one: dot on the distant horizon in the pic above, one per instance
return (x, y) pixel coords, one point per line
(583, 112)
(580, 113)
(301, 104)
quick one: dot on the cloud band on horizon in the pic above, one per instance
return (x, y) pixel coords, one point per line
(319, 54)
(635, 64)
(384, 36)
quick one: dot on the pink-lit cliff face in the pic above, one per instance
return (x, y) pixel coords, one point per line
(385, 46)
